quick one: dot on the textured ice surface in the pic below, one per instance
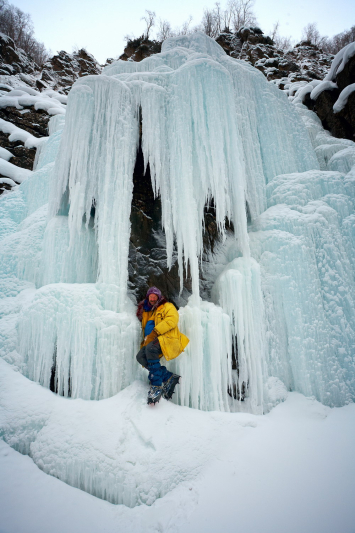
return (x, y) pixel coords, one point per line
(283, 316)
(213, 129)
(238, 291)
(95, 165)
(93, 349)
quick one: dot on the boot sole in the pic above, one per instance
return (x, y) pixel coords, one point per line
(166, 396)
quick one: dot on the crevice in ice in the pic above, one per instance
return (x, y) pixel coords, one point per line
(54, 384)
(63, 208)
(236, 390)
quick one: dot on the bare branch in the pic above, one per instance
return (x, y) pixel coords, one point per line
(149, 19)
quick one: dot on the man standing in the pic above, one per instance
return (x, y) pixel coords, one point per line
(161, 338)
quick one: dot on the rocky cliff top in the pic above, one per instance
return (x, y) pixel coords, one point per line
(300, 68)
(58, 73)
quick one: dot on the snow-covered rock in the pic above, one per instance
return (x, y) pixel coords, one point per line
(334, 98)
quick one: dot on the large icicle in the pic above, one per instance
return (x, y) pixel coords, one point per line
(206, 363)
(238, 291)
(95, 162)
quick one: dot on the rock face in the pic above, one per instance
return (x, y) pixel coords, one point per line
(58, 73)
(304, 62)
(18, 71)
(62, 70)
(336, 112)
(13, 60)
(31, 120)
(147, 253)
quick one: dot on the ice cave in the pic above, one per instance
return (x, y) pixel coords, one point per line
(269, 310)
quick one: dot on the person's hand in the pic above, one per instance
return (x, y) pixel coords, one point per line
(149, 338)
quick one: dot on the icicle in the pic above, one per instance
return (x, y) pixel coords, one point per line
(66, 336)
(238, 291)
(96, 161)
(206, 363)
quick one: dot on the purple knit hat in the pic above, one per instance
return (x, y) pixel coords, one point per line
(154, 290)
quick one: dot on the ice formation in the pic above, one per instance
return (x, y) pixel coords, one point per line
(212, 129)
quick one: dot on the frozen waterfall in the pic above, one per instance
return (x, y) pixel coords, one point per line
(212, 130)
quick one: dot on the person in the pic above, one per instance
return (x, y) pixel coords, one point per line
(161, 337)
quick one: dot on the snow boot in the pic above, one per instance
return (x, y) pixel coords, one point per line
(154, 394)
(169, 386)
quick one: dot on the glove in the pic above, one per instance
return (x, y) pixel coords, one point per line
(149, 338)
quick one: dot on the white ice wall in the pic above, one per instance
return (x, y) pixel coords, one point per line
(212, 128)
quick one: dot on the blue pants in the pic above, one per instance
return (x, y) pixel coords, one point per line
(148, 357)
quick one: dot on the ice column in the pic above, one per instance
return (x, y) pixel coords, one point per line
(95, 163)
(238, 291)
(206, 363)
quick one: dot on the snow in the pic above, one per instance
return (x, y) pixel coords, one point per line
(298, 91)
(8, 181)
(21, 97)
(343, 98)
(18, 134)
(340, 60)
(5, 154)
(183, 469)
(325, 85)
(13, 172)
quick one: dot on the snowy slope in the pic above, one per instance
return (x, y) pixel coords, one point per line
(289, 471)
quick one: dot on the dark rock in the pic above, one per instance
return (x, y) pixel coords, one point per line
(29, 119)
(347, 75)
(63, 69)
(23, 157)
(230, 43)
(147, 252)
(14, 60)
(140, 48)
(4, 186)
(341, 124)
(334, 122)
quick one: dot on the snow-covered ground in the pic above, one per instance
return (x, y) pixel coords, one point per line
(289, 471)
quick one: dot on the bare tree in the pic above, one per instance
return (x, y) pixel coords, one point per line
(149, 19)
(185, 28)
(208, 24)
(281, 42)
(310, 33)
(18, 25)
(275, 30)
(164, 31)
(242, 13)
(335, 44)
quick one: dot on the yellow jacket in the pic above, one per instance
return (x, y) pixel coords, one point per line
(166, 318)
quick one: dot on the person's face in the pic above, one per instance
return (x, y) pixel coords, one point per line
(153, 298)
